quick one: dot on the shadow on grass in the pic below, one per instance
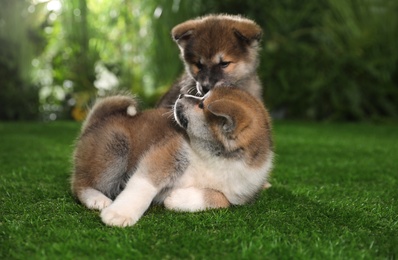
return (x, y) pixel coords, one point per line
(298, 214)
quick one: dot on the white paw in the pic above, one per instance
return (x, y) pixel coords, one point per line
(118, 218)
(94, 199)
(99, 203)
(267, 185)
(188, 199)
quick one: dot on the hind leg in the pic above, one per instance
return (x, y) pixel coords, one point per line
(153, 173)
(100, 166)
(131, 203)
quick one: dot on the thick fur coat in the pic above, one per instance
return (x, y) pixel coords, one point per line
(217, 50)
(209, 152)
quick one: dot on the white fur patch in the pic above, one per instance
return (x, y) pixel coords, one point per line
(94, 199)
(131, 204)
(267, 185)
(199, 88)
(189, 199)
(235, 179)
(194, 97)
(131, 111)
(218, 58)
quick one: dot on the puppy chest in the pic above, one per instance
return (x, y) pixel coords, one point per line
(233, 179)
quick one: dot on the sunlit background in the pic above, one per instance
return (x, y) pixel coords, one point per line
(320, 60)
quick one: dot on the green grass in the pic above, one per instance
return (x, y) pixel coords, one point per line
(334, 196)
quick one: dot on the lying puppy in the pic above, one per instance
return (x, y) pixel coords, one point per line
(219, 154)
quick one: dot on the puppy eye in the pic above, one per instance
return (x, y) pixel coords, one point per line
(224, 64)
(200, 105)
(199, 65)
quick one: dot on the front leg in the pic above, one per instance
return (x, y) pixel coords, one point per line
(131, 203)
(195, 199)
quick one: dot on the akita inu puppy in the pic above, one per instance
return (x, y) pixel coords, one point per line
(216, 50)
(218, 153)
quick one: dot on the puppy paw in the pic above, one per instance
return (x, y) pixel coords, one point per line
(188, 199)
(98, 204)
(266, 185)
(93, 199)
(117, 218)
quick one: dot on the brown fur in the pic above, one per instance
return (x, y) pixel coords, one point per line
(219, 154)
(107, 138)
(216, 50)
(216, 199)
(248, 127)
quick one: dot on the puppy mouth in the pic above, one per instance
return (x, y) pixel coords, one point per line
(199, 88)
(179, 107)
(204, 89)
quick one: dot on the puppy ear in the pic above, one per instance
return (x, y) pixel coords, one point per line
(234, 116)
(183, 32)
(248, 31)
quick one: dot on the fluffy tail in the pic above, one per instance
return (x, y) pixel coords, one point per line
(118, 104)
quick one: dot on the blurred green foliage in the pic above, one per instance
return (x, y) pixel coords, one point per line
(340, 64)
(320, 60)
(20, 41)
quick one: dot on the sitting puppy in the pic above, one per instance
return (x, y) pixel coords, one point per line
(216, 50)
(219, 153)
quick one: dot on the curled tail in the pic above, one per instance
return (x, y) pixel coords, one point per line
(118, 104)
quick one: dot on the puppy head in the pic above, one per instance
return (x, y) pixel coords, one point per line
(224, 117)
(218, 49)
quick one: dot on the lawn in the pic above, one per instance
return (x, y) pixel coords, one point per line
(334, 196)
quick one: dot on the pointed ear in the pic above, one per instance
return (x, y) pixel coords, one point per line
(234, 116)
(183, 32)
(248, 31)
